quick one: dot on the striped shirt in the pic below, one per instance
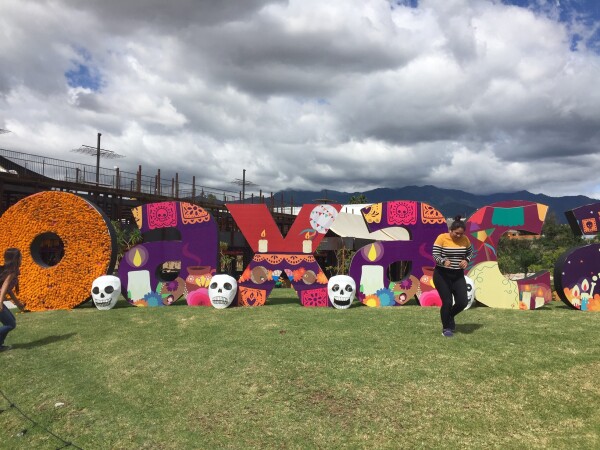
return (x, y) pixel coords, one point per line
(453, 250)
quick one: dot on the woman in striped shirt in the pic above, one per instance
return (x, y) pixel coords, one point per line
(452, 252)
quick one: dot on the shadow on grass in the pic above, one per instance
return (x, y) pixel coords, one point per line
(283, 301)
(555, 305)
(561, 305)
(44, 341)
(467, 328)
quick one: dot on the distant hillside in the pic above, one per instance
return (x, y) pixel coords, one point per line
(450, 202)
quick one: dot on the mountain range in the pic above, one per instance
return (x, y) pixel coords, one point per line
(451, 202)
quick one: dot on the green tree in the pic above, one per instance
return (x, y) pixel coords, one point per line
(225, 260)
(343, 258)
(556, 234)
(516, 255)
(127, 237)
(358, 199)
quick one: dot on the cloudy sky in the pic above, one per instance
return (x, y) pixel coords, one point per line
(484, 96)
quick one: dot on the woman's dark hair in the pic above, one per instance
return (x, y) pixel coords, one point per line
(12, 262)
(458, 223)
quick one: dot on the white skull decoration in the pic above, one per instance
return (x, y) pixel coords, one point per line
(470, 292)
(105, 291)
(222, 290)
(341, 290)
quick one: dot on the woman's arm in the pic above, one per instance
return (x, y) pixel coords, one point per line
(16, 301)
(469, 252)
(4, 290)
(436, 252)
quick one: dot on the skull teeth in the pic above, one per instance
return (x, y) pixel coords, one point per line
(342, 301)
(220, 300)
(103, 302)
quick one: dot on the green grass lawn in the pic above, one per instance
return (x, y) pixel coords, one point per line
(285, 376)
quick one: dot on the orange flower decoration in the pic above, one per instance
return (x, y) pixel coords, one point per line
(88, 248)
(523, 306)
(322, 278)
(299, 273)
(245, 275)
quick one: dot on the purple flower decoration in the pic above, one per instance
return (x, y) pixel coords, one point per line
(406, 284)
(172, 285)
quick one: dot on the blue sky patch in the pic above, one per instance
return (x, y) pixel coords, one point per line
(571, 13)
(404, 3)
(82, 76)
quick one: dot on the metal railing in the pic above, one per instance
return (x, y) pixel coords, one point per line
(128, 182)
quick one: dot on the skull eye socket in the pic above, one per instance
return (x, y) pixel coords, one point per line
(109, 289)
(213, 285)
(349, 288)
(228, 286)
(469, 288)
(335, 288)
(96, 290)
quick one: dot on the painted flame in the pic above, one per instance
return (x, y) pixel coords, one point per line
(307, 236)
(372, 255)
(585, 285)
(137, 258)
(263, 234)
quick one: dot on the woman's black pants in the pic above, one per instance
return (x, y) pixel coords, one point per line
(449, 283)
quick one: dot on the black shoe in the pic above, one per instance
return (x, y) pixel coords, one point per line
(447, 332)
(4, 348)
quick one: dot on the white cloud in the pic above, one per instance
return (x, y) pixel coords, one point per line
(346, 95)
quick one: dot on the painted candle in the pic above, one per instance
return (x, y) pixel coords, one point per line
(263, 244)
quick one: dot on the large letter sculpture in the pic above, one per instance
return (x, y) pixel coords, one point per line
(577, 271)
(484, 229)
(369, 267)
(89, 248)
(273, 253)
(173, 231)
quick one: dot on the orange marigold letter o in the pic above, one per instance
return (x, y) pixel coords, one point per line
(89, 244)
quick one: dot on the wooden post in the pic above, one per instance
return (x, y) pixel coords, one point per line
(118, 179)
(2, 201)
(98, 161)
(139, 179)
(77, 175)
(176, 185)
(158, 187)
(194, 188)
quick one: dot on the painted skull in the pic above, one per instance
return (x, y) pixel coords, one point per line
(162, 214)
(105, 291)
(341, 290)
(470, 292)
(222, 290)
